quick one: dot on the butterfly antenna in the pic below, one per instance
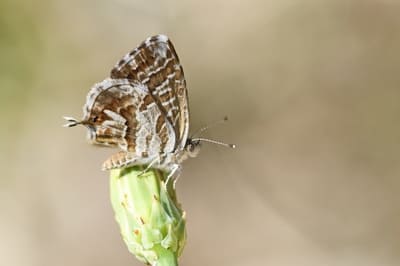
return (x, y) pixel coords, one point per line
(216, 142)
(199, 131)
(71, 121)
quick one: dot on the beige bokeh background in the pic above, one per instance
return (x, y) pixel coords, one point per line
(312, 89)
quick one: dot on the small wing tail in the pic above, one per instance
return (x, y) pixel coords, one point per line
(71, 121)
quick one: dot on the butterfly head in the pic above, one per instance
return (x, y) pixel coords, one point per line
(192, 147)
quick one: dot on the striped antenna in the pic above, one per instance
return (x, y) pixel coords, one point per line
(201, 130)
(215, 142)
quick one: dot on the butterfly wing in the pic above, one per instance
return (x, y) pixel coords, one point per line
(119, 112)
(155, 64)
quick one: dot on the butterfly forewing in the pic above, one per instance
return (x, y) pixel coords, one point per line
(155, 64)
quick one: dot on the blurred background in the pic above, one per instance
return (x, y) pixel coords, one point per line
(312, 90)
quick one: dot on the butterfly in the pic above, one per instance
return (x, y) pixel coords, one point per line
(142, 108)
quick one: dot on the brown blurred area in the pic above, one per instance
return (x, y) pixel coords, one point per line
(312, 89)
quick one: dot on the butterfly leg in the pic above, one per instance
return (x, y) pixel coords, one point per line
(177, 175)
(119, 160)
(150, 165)
(174, 174)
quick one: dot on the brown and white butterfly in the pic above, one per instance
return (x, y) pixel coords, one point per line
(142, 108)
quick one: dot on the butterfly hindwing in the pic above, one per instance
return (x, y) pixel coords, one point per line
(119, 112)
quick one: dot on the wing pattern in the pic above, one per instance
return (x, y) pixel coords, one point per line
(141, 108)
(119, 112)
(155, 64)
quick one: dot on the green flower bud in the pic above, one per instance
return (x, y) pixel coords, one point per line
(151, 221)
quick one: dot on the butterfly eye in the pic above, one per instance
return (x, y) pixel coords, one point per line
(94, 119)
